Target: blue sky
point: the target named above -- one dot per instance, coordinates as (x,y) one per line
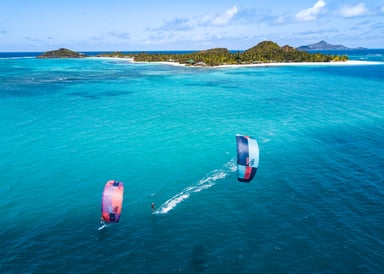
(92,25)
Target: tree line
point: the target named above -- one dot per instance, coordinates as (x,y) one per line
(264,52)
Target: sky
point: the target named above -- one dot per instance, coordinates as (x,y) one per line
(130,25)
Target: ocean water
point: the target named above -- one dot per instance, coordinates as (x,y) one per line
(68,126)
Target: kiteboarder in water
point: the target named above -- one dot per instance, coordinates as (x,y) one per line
(102,222)
(153,207)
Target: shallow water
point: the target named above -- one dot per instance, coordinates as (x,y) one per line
(68,126)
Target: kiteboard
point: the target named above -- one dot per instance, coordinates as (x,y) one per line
(102,227)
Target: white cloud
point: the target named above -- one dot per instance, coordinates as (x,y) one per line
(220,20)
(177,24)
(352,11)
(310,14)
(281,20)
(33,39)
(120,35)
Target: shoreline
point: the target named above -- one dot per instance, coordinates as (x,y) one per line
(280,64)
(277,64)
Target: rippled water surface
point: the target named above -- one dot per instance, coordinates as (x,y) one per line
(68,126)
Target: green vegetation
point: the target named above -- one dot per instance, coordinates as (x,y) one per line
(61,53)
(264,52)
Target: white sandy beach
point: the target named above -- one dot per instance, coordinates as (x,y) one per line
(348,62)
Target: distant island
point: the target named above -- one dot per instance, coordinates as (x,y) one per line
(264,52)
(62,53)
(322,45)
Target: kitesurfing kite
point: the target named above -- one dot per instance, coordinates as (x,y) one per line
(247,158)
(111,203)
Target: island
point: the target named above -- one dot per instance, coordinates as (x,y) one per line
(62,53)
(323,45)
(264,52)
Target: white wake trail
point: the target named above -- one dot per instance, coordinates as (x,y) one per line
(208,181)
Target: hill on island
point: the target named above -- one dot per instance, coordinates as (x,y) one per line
(61,53)
(264,52)
(268,50)
(323,45)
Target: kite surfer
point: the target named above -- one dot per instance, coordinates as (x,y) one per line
(102,222)
(153,207)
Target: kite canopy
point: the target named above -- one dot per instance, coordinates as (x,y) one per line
(247,157)
(112,201)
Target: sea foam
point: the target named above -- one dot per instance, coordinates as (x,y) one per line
(206,182)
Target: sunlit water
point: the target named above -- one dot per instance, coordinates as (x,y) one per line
(69,125)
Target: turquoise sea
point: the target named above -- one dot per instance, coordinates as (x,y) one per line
(68,126)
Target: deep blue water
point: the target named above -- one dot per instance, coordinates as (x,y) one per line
(69,125)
